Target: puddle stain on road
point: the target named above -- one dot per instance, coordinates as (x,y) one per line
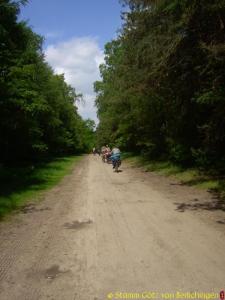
(54,271)
(221,222)
(50,273)
(30,208)
(78,224)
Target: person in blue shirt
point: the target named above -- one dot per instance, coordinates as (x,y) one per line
(115,156)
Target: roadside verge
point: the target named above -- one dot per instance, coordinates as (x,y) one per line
(190,177)
(20,184)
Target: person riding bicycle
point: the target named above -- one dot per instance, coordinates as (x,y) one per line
(106,152)
(115,156)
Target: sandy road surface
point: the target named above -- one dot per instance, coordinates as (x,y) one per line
(99,232)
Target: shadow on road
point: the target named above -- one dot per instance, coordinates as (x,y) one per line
(216,203)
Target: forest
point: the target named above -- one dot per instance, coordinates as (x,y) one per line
(162,87)
(38,112)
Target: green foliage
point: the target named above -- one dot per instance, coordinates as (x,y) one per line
(162,90)
(38,113)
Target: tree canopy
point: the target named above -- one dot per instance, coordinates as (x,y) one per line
(162,91)
(38,113)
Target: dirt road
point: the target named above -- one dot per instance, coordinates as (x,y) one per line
(99,233)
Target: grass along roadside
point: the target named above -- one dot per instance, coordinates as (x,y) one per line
(192,176)
(20,184)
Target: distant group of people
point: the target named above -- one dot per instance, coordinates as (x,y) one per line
(109,156)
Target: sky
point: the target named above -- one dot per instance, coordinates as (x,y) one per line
(75,33)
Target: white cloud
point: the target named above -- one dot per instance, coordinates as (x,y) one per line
(79,60)
(88,110)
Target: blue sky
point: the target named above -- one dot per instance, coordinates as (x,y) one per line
(75,33)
